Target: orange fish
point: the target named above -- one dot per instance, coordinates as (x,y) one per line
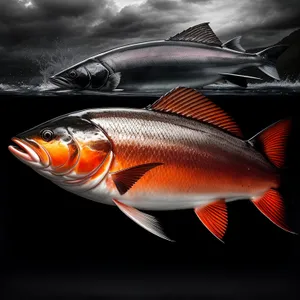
(182,152)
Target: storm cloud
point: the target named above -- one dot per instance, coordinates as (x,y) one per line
(29,28)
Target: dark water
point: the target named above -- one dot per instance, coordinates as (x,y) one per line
(54,243)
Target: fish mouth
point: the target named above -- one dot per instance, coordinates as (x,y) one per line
(60,81)
(23,151)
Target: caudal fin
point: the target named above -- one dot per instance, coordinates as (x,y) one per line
(272,206)
(272,142)
(271,55)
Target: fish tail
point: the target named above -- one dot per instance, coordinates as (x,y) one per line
(270,56)
(272,142)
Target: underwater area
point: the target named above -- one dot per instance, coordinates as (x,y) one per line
(54,242)
(59,57)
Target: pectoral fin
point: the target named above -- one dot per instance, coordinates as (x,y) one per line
(214,217)
(146,221)
(125,179)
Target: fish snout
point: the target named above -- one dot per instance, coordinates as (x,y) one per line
(24,151)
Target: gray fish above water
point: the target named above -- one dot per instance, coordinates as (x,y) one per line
(193,58)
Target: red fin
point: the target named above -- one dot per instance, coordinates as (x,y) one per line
(214,217)
(125,179)
(273,141)
(146,221)
(190,103)
(271,205)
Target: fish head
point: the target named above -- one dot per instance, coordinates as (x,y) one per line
(70,150)
(90,74)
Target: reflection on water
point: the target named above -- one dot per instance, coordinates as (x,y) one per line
(282,87)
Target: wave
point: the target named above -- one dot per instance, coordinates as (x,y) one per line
(26,87)
(262,85)
(48,88)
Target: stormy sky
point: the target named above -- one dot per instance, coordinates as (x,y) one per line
(34,32)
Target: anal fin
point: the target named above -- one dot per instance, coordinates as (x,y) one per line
(214,217)
(146,221)
(270,70)
(272,206)
(240,80)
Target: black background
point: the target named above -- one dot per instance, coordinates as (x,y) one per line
(54,243)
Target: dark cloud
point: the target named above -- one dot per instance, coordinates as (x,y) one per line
(28,28)
(58,8)
(42,10)
(149,20)
(21,25)
(164,5)
(196,1)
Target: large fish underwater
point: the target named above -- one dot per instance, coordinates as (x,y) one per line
(193,58)
(182,152)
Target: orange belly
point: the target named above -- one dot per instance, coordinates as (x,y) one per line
(183,172)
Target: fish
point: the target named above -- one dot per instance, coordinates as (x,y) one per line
(181,152)
(193,58)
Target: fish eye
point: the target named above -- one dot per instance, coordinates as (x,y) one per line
(73,74)
(47,135)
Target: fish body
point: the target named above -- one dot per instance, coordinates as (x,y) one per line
(182,152)
(199,163)
(167,64)
(192,60)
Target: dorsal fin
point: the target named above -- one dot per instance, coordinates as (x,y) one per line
(201,33)
(234,44)
(190,103)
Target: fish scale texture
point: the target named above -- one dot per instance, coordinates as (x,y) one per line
(195,158)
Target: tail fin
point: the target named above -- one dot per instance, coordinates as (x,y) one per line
(270,55)
(272,142)
(272,206)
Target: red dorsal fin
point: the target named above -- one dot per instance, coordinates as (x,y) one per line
(214,217)
(273,141)
(271,205)
(190,103)
(125,179)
